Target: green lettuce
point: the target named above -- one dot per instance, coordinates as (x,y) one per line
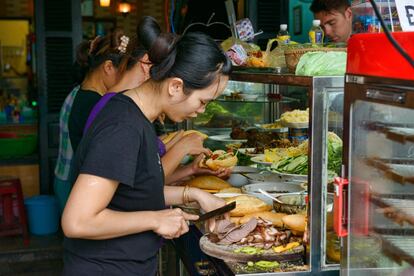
(331,63)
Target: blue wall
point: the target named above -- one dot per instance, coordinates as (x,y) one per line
(307,17)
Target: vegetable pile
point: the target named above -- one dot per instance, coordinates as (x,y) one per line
(298,163)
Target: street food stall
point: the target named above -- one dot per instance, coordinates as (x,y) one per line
(313,122)
(354,225)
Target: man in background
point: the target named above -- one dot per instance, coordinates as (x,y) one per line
(335,17)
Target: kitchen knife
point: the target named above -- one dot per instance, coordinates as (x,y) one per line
(218,211)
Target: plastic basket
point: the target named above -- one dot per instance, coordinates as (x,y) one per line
(16,145)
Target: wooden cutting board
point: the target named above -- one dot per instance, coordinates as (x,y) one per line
(226,252)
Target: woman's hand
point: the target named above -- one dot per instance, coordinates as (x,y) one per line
(192,144)
(196,170)
(172,223)
(207,202)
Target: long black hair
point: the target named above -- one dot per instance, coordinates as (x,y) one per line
(194,57)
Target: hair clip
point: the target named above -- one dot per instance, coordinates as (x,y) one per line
(93,44)
(124,43)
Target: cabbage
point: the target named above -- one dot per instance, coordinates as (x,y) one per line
(331,63)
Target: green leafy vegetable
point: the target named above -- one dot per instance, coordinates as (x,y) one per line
(334,153)
(322,64)
(211,109)
(292,165)
(299,164)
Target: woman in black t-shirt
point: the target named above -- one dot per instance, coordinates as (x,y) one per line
(116,214)
(100,64)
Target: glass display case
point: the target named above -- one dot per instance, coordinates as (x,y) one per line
(254,99)
(378,203)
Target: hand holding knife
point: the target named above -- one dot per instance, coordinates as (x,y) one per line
(217,212)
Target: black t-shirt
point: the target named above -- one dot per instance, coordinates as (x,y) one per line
(121,144)
(83,103)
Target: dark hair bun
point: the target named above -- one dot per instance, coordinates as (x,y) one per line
(148,31)
(194,57)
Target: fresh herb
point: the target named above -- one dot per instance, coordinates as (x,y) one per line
(267,264)
(250,250)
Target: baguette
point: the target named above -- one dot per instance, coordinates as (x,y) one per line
(296,222)
(219,159)
(231,190)
(246,204)
(208,182)
(171,135)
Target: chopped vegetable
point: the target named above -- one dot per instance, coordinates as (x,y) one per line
(293,165)
(267,264)
(282,248)
(249,250)
(296,159)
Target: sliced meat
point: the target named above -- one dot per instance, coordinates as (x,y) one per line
(240,232)
(223,226)
(213,237)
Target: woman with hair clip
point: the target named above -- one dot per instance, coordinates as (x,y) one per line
(100,63)
(116,213)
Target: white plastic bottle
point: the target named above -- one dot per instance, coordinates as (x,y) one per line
(316,33)
(283,36)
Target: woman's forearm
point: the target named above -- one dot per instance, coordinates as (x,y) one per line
(86,214)
(175,195)
(171,160)
(108,224)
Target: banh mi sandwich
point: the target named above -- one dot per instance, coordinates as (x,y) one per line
(171,135)
(219,159)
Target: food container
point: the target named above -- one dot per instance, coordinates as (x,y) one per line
(237,180)
(16,145)
(276,130)
(298,135)
(291,203)
(272,177)
(273,188)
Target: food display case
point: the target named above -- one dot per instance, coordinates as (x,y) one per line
(257,98)
(381,174)
(374,204)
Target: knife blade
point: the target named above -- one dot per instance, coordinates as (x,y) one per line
(218,211)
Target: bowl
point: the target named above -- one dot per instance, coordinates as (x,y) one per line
(245,169)
(237,180)
(273,188)
(290,203)
(249,97)
(17,145)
